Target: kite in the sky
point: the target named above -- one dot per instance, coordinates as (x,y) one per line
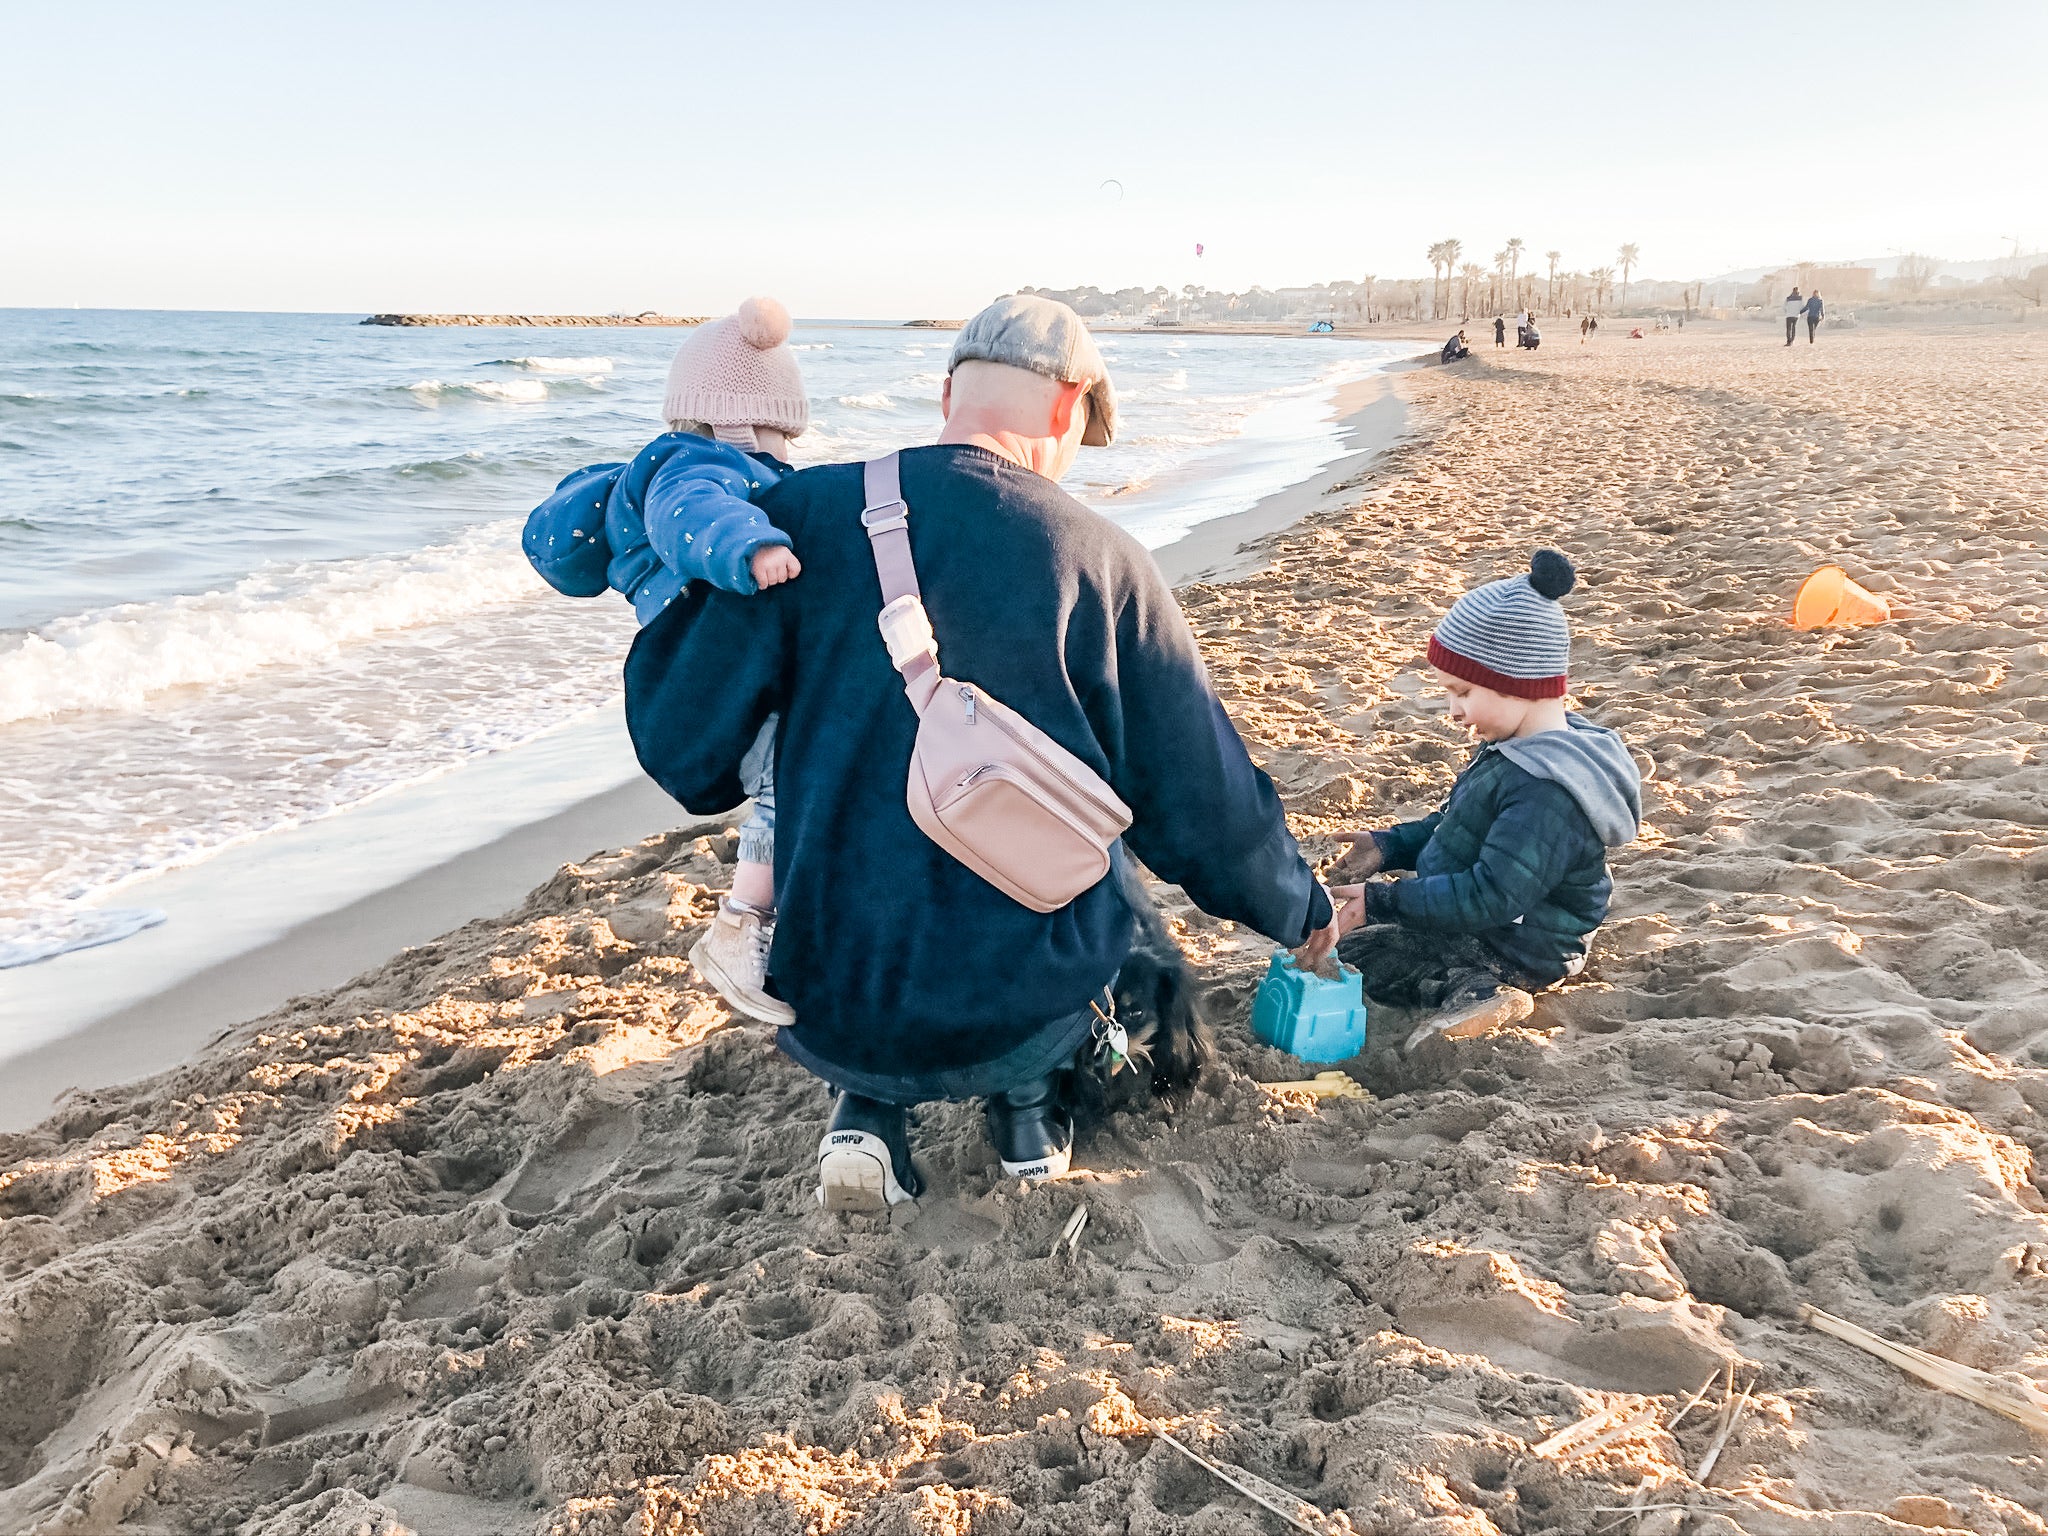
(1198,247)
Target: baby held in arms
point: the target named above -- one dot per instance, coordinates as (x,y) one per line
(684,510)
(1510,874)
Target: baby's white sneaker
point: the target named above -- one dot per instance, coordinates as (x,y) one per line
(733,957)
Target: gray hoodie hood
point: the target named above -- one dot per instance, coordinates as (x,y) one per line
(1591,764)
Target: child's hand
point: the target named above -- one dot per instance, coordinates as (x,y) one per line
(774,564)
(1360,860)
(1347,911)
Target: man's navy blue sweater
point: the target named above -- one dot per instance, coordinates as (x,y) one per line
(899,960)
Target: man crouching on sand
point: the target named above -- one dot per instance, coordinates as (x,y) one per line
(912,977)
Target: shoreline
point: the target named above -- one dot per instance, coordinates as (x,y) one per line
(163,1028)
(158,1028)
(1371,416)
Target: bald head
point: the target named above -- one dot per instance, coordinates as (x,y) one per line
(1020,414)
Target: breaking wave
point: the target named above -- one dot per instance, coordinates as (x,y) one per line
(118,658)
(519,391)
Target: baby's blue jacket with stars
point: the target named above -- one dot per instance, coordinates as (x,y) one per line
(682,511)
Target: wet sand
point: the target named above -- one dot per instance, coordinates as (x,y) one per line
(514,1232)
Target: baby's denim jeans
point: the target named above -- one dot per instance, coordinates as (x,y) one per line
(757,774)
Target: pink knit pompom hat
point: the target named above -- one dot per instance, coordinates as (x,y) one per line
(739,372)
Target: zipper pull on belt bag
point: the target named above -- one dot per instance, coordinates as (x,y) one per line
(986,785)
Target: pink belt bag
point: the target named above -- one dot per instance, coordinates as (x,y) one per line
(986,785)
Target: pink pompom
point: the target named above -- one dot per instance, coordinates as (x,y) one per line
(763,323)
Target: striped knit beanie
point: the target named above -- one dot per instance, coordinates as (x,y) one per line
(1511,635)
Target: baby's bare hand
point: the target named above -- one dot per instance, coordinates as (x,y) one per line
(1359,860)
(773,564)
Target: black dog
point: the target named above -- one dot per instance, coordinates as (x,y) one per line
(1158,1006)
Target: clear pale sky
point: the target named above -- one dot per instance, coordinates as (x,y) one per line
(916,159)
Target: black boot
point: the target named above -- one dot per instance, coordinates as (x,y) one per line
(1032,1133)
(864,1160)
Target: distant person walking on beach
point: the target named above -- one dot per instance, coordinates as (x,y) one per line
(1795,306)
(1500,331)
(683,511)
(1585,328)
(913,977)
(1813,314)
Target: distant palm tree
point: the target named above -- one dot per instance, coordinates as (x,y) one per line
(1603,284)
(1553,257)
(1471,272)
(1453,249)
(1367,281)
(1436,266)
(1627,256)
(1514,260)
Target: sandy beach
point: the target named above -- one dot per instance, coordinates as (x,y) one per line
(513,1232)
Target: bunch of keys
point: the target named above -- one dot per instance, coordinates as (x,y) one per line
(1111,1039)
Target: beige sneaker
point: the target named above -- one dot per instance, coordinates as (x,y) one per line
(733,957)
(1497,1010)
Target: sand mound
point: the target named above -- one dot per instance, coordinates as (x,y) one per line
(515,1233)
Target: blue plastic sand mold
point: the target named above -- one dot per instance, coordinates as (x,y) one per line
(1310,1016)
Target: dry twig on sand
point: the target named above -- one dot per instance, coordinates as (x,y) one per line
(1070,1234)
(2015,1400)
(1595,1432)
(1691,1403)
(1732,1409)
(1257,1489)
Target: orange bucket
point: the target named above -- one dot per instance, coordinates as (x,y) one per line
(1828,599)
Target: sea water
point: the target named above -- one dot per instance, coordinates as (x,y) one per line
(260,570)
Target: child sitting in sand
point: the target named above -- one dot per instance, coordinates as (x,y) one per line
(683,511)
(1511,874)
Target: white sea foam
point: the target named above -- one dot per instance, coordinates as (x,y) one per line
(555,364)
(870,402)
(518,391)
(117,658)
(810,346)
(25,940)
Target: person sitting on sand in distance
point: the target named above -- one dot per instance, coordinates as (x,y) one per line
(1511,872)
(1455,349)
(913,978)
(683,511)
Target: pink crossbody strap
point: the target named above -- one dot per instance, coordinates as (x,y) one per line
(886,517)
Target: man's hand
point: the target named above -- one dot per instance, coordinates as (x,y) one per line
(774,564)
(1347,911)
(1360,859)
